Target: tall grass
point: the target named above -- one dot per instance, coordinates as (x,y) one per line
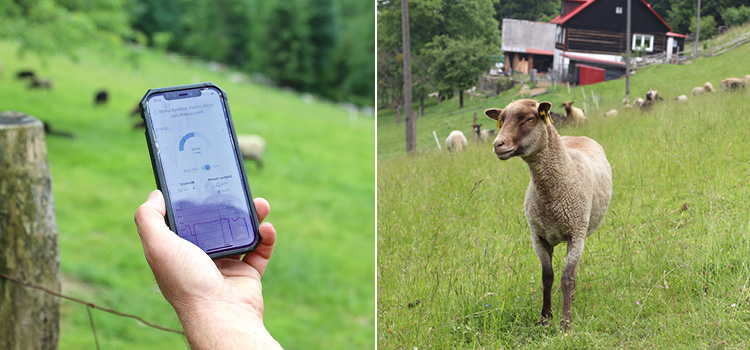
(668,268)
(318,176)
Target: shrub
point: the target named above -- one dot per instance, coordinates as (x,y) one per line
(708,27)
(735,16)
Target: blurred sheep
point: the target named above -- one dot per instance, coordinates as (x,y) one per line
(456,141)
(252,147)
(707,87)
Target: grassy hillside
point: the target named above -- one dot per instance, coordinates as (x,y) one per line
(668,268)
(318,177)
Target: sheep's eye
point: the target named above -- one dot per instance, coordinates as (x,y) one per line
(529,120)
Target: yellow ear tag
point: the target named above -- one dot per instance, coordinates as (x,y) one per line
(547,117)
(499,123)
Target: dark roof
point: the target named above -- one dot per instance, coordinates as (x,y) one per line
(562,19)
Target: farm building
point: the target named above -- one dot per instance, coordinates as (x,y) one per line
(528,45)
(592,33)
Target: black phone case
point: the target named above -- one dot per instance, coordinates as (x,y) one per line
(159,173)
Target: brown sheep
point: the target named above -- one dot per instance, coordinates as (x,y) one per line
(575,114)
(569,192)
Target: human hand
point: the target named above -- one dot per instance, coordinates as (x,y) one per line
(223,296)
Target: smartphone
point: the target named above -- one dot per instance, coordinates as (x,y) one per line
(198,167)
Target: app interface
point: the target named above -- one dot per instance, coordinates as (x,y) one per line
(202,175)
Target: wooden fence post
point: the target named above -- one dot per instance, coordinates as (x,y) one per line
(29,318)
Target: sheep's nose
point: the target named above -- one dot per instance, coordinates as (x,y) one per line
(498,143)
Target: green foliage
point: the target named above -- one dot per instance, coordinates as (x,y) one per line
(52,27)
(465,28)
(736,16)
(283,51)
(533,10)
(456,64)
(162,40)
(708,27)
(682,13)
(319,286)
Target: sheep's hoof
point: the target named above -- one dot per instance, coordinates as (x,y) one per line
(545,319)
(565,324)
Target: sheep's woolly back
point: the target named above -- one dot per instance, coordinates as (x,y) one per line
(455,141)
(570,188)
(252,147)
(732,83)
(576,115)
(707,87)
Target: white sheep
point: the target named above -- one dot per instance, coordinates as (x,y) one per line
(456,141)
(611,113)
(681,98)
(252,147)
(732,84)
(569,192)
(707,87)
(575,115)
(638,102)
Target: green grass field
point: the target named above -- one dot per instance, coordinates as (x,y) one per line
(318,177)
(668,268)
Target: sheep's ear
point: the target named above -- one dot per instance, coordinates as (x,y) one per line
(493,113)
(544,107)
(543,110)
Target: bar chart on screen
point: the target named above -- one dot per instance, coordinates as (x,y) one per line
(214,225)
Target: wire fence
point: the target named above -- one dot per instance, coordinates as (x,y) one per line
(89,306)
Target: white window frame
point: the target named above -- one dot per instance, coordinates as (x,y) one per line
(559,35)
(618,10)
(643,42)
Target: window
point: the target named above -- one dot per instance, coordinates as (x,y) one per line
(618,10)
(559,35)
(643,42)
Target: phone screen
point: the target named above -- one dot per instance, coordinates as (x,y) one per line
(201,170)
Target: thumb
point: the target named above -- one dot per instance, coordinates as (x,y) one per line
(149,219)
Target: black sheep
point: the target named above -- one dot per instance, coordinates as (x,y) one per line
(26,74)
(101,97)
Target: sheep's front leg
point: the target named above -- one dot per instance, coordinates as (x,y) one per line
(544,253)
(568,282)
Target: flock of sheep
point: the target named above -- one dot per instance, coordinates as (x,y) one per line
(457,141)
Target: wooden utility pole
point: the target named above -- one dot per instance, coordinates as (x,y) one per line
(627,54)
(697,31)
(411,122)
(29,318)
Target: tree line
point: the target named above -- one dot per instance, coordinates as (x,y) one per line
(320,46)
